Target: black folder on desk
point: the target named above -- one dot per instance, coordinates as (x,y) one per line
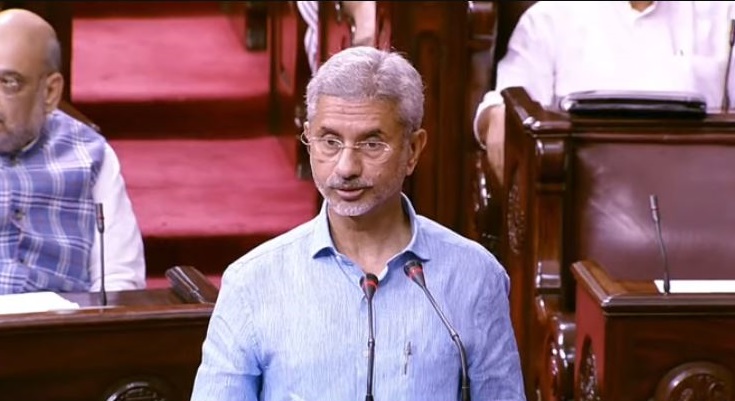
(632,104)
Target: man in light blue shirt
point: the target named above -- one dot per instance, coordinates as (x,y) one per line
(291,320)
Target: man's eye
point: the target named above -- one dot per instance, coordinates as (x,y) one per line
(332,143)
(6,81)
(372,145)
(10,83)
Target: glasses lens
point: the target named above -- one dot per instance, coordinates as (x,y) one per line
(329,149)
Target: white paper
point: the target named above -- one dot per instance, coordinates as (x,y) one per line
(698,286)
(34,302)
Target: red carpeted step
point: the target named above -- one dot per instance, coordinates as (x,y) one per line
(207,202)
(173,74)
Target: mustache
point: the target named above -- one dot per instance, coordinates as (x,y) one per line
(347,185)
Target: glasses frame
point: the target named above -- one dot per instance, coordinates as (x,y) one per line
(358,147)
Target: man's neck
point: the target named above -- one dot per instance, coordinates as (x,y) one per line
(640,5)
(372,239)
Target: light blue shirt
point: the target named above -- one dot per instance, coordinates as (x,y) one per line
(290,323)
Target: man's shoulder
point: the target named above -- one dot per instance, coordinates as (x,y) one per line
(466,260)
(65,124)
(451,241)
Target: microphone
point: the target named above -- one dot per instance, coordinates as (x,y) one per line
(653,200)
(100,217)
(725,106)
(415,272)
(369,285)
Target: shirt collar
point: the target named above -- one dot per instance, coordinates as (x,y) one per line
(322,244)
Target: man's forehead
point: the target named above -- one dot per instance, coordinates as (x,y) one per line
(20,55)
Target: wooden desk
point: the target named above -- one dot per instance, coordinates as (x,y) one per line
(635,343)
(145,344)
(578,189)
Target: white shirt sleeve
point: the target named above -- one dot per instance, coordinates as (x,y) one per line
(528,62)
(123,243)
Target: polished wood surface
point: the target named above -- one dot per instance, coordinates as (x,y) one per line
(144,343)
(636,343)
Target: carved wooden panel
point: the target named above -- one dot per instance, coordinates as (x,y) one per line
(140,389)
(696,381)
(515,216)
(556,373)
(587,388)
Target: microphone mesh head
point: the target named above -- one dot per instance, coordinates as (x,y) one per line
(410,265)
(369,284)
(415,271)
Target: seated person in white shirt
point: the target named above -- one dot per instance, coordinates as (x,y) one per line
(54,170)
(562,47)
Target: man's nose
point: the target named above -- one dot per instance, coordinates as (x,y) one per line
(349,163)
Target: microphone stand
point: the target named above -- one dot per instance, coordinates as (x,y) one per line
(415,272)
(371,354)
(457,342)
(101,230)
(369,284)
(725,106)
(653,200)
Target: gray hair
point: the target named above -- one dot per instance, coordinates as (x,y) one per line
(364,72)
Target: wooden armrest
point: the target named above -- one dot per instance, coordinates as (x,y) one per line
(486,192)
(191,285)
(69,109)
(556,334)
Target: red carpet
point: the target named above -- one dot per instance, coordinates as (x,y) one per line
(182,73)
(204,203)
(185,107)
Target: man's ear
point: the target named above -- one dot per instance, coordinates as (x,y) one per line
(416,145)
(54,88)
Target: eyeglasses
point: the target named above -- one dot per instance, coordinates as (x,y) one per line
(329,148)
